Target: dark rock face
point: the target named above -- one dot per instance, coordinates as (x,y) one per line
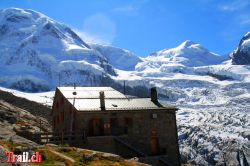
(241,56)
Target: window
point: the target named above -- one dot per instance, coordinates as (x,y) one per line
(70,109)
(62,116)
(54,121)
(127,123)
(57,105)
(154,116)
(62,100)
(58,120)
(74,126)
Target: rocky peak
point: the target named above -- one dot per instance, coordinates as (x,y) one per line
(241,55)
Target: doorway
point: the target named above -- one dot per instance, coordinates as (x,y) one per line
(96,127)
(114,125)
(154,142)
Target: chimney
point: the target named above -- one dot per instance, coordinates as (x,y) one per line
(153,95)
(102,100)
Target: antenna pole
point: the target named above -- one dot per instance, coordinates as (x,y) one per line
(59,80)
(124,87)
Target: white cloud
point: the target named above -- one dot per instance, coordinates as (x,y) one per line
(245,20)
(235,5)
(98,28)
(126,9)
(130,9)
(91,38)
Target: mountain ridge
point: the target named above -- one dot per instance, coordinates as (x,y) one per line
(46,51)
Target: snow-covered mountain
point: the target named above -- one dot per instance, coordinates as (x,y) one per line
(188,54)
(35,51)
(180,59)
(241,55)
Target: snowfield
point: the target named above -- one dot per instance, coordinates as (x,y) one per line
(45,98)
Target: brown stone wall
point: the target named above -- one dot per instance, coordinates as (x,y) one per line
(152,134)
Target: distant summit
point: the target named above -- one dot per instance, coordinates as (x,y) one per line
(187,43)
(241,55)
(188,54)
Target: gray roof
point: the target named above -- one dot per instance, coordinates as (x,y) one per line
(87,99)
(90,92)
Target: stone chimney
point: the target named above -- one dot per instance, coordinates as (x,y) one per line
(153,94)
(102,100)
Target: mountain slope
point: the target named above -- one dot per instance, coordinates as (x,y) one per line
(119,58)
(241,55)
(35,50)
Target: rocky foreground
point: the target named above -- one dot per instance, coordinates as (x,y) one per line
(64,155)
(19,116)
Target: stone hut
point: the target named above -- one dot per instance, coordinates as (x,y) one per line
(112,122)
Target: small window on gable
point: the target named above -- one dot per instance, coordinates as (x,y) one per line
(62,100)
(57,105)
(70,109)
(54,121)
(62,117)
(74,126)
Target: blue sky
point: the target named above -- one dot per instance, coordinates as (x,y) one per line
(146,26)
